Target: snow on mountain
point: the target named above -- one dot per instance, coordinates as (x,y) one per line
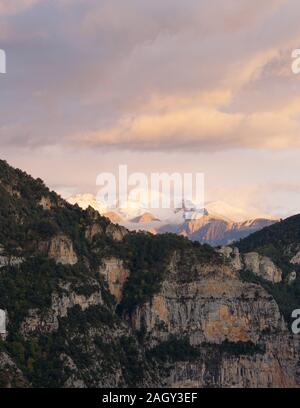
(146,217)
(115,217)
(232,213)
(88,200)
(218,224)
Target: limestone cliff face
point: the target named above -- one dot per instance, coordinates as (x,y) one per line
(116,232)
(260,265)
(259,371)
(115,275)
(210,310)
(93,230)
(9,260)
(180,315)
(296,259)
(213,308)
(98,348)
(60,248)
(48,322)
(46,203)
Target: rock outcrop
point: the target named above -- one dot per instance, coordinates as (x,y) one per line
(115,275)
(261,266)
(296,259)
(60,248)
(116,232)
(9,260)
(122,309)
(92,230)
(214,309)
(46,203)
(61,302)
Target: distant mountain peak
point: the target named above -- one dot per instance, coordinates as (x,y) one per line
(218,223)
(114,217)
(146,217)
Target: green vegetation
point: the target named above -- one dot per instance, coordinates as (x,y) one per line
(38,358)
(278,242)
(147,257)
(174,349)
(97,337)
(31,284)
(179,349)
(287,296)
(24,222)
(131,362)
(239,348)
(275,242)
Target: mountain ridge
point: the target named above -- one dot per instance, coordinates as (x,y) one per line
(209,226)
(91,304)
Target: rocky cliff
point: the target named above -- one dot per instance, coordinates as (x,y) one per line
(220,224)
(89,304)
(216,230)
(235,326)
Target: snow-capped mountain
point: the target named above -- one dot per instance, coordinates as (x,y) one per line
(217,231)
(217,224)
(144,218)
(88,200)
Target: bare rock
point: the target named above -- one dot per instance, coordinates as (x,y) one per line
(61,303)
(262,266)
(213,308)
(60,248)
(93,230)
(116,275)
(10,260)
(116,232)
(46,203)
(296,259)
(233,255)
(291,277)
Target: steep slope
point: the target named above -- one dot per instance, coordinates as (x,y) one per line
(216,230)
(89,304)
(114,217)
(280,243)
(216,227)
(58,306)
(224,332)
(146,217)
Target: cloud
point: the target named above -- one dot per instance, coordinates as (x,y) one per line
(204,121)
(142,75)
(200,128)
(10,7)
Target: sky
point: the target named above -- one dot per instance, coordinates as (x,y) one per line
(194,86)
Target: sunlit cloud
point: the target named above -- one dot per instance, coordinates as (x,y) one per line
(205,120)
(143,79)
(10,7)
